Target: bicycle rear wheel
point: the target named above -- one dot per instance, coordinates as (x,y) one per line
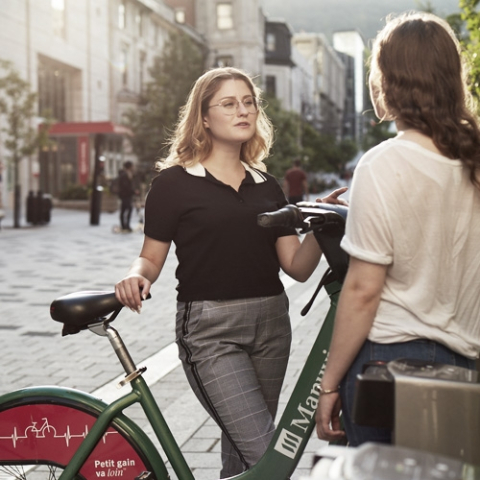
(40,434)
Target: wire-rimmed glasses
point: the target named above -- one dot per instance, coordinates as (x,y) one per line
(230,105)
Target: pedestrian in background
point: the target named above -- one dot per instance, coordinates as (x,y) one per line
(126,192)
(232,324)
(413,228)
(295,183)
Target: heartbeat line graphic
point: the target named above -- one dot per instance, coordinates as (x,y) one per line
(47,431)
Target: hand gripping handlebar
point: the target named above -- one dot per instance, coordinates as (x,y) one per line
(306,215)
(326,221)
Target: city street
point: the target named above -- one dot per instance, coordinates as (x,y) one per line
(38,264)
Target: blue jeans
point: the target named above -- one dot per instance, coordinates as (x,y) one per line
(417,349)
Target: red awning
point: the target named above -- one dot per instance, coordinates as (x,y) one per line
(85,128)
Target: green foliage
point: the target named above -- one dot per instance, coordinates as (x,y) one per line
(295,138)
(324,152)
(376,133)
(75,192)
(471,42)
(17,103)
(286,140)
(173,75)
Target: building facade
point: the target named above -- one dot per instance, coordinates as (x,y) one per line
(352,44)
(87,61)
(288,75)
(328,81)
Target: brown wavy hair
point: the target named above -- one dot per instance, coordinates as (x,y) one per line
(191,142)
(418,73)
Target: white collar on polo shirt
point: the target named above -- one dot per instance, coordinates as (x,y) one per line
(198,170)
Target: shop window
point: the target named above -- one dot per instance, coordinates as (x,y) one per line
(52,90)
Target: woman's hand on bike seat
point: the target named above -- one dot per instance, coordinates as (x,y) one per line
(131,290)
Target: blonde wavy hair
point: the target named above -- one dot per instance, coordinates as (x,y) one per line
(191,142)
(419,78)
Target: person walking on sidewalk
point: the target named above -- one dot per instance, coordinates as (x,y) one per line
(413,228)
(232,325)
(295,183)
(126,192)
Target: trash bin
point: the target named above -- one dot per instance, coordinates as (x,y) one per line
(39,208)
(32,208)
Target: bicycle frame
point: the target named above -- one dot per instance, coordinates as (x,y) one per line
(279,461)
(281,458)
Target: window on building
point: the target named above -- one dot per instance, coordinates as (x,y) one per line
(140,22)
(180,15)
(141,73)
(52,90)
(58,17)
(271,85)
(122,15)
(224,61)
(124,65)
(271,42)
(224,16)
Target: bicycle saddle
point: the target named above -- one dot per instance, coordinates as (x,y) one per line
(78,310)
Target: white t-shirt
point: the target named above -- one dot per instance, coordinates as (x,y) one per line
(418,212)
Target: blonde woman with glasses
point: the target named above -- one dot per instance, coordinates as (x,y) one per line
(232,325)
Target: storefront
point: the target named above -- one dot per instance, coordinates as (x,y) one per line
(69,158)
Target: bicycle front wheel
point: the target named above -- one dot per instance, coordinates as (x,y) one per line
(40,433)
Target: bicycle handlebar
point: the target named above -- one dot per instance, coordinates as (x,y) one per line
(326,221)
(305,215)
(288,216)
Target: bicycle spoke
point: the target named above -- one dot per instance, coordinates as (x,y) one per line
(30,472)
(12,472)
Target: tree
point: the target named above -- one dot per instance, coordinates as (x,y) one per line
(173,74)
(376,133)
(17,104)
(471,42)
(286,146)
(295,138)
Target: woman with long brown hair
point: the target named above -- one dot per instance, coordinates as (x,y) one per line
(413,228)
(232,324)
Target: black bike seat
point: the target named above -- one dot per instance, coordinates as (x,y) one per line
(83,308)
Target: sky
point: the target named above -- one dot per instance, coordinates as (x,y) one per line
(327,16)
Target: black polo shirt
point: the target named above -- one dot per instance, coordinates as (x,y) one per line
(222,252)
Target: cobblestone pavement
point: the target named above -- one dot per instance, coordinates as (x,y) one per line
(38,264)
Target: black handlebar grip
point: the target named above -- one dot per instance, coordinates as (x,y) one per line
(288,216)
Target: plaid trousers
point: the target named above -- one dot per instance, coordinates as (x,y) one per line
(235,354)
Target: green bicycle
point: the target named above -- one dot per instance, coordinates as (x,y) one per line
(55,432)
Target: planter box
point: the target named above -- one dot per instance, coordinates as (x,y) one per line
(110,204)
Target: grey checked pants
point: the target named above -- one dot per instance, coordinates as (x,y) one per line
(235,354)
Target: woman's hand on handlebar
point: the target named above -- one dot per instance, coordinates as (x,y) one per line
(333,197)
(327,417)
(131,290)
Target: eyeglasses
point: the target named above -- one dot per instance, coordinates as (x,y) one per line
(230,106)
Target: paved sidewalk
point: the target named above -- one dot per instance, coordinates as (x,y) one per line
(38,264)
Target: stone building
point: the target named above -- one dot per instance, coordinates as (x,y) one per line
(87,60)
(328,81)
